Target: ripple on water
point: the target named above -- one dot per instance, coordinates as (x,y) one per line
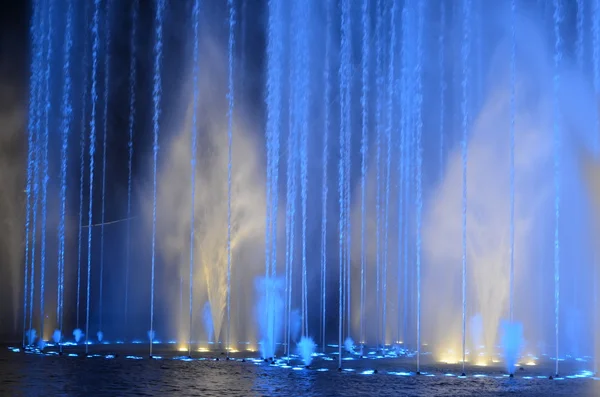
(28,374)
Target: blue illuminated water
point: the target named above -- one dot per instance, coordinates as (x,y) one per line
(442,70)
(32,132)
(325,175)
(119,375)
(273,99)
(274,318)
(580,39)
(364,148)
(82,146)
(38,44)
(300,59)
(404,172)
(513,53)
(512,344)
(230,97)
(208,324)
(270,310)
(92,150)
(596,83)
(379,72)
(465,53)
(106,90)
(419,163)
(391,94)
(291,198)
(45,141)
(156,100)
(131,129)
(67,111)
(557,18)
(390,78)
(306,348)
(344,75)
(194,133)
(596,44)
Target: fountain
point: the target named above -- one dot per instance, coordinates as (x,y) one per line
(447,239)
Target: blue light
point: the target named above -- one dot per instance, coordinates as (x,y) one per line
(183,358)
(400,373)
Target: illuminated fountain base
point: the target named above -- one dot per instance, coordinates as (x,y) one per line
(394,361)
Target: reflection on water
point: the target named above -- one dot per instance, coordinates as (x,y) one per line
(35,375)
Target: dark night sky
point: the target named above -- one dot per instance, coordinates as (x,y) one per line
(13,99)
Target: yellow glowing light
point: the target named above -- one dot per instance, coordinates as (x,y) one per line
(203,350)
(530,363)
(481,364)
(450,359)
(233,351)
(251,350)
(182,349)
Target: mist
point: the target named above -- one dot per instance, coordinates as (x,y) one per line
(12,176)
(13,123)
(174,200)
(488,209)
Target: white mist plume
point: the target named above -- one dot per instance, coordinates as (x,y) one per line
(349,345)
(269,313)
(78,334)
(211,198)
(306,348)
(208,322)
(31,336)
(57,336)
(488,198)
(512,343)
(295,325)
